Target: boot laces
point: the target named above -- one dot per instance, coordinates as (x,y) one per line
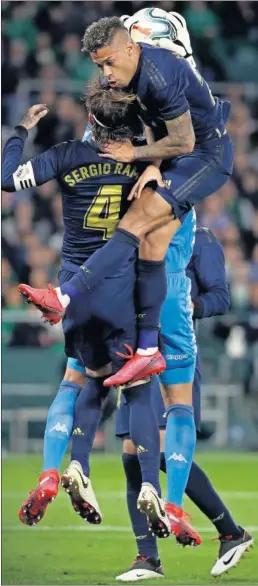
(140,558)
(187,516)
(220,536)
(50,288)
(126,356)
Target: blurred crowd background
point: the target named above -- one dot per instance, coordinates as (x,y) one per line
(42,62)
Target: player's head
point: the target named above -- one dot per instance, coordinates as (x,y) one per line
(112,49)
(112,114)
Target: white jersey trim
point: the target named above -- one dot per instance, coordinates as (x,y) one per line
(24,177)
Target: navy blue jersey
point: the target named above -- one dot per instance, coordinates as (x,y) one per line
(167,86)
(94,190)
(206,269)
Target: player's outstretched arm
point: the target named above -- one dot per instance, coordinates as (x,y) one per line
(39,170)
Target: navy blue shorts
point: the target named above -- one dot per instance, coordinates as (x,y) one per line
(194,176)
(98,326)
(123,409)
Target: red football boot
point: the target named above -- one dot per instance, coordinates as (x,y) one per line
(46,300)
(138,366)
(51,318)
(184,532)
(34,508)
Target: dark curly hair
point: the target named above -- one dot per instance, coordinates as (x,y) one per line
(101,33)
(114,113)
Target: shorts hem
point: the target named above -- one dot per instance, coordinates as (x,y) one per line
(180,210)
(177,376)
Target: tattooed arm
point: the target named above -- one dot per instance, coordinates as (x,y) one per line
(150,140)
(179,141)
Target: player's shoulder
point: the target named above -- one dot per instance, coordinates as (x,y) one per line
(72,152)
(205,237)
(71,146)
(160,66)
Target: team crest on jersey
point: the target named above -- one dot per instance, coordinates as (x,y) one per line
(167,183)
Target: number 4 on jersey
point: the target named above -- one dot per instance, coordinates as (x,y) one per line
(104,212)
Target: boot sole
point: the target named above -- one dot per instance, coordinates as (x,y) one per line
(83,508)
(156,524)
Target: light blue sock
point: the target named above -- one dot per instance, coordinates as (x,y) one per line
(180,440)
(59,425)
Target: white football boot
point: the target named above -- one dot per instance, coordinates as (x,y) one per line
(81,493)
(231,551)
(153,507)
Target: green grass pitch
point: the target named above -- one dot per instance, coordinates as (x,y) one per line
(63,549)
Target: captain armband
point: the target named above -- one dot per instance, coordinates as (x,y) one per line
(24,177)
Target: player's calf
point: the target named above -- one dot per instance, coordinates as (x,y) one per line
(81,493)
(34,508)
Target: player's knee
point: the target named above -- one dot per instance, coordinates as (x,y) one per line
(146,214)
(162,439)
(155,244)
(178,393)
(135,221)
(129,447)
(75,376)
(100,372)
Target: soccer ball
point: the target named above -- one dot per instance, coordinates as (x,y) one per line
(150,25)
(162,29)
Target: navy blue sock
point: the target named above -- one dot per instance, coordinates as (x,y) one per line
(151,290)
(86,420)
(180,440)
(59,425)
(144,432)
(204,496)
(163,467)
(145,541)
(103,263)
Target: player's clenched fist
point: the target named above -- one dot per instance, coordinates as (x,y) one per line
(33,115)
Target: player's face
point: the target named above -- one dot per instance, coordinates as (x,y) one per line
(118,61)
